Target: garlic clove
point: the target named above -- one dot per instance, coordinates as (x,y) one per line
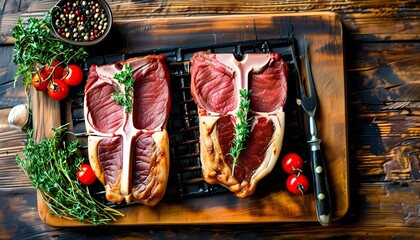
(19,117)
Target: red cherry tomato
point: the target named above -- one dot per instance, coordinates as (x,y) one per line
(58,89)
(292,163)
(73,75)
(56,68)
(85,174)
(297,184)
(40,81)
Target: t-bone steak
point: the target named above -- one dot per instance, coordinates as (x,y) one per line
(129,152)
(215,83)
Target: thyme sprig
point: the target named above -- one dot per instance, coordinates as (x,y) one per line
(242,126)
(125,98)
(36,46)
(51,166)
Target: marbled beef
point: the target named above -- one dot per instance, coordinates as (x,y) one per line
(129,152)
(215,83)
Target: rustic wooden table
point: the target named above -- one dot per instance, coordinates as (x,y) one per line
(382,55)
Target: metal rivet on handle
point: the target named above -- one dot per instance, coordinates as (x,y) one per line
(318,169)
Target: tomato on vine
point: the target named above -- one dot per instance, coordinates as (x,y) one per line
(58,89)
(56,69)
(297,184)
(72,75)
(292,163)
(85,174)
(40,81)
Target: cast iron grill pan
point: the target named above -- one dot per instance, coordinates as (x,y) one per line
(185,179)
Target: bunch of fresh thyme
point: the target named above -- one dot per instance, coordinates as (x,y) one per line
(241,127)
(51,167)
(125,98)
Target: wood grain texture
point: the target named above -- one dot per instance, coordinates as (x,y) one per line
(12,94)
(369,20)
(384,103)
(375,214)
(46,115)
(11,144)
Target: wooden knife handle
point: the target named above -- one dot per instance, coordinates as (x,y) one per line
(321,188)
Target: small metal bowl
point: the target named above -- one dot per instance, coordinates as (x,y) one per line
(59,6)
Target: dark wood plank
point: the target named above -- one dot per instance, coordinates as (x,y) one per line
(11,144)
(384,103)
(12,94)
(375,214)
(368,20)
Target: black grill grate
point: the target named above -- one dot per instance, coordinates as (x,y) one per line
(186,180)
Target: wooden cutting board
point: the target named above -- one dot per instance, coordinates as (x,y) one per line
(324,33)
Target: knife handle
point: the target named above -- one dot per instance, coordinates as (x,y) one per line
(321,187)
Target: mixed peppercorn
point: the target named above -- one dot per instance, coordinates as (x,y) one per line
(80,20)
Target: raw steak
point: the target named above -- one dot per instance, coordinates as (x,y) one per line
(215,83)
(129,152)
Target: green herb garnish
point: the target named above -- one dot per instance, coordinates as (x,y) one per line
(241,126)
(36,46)
(51,166)
(125,98)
